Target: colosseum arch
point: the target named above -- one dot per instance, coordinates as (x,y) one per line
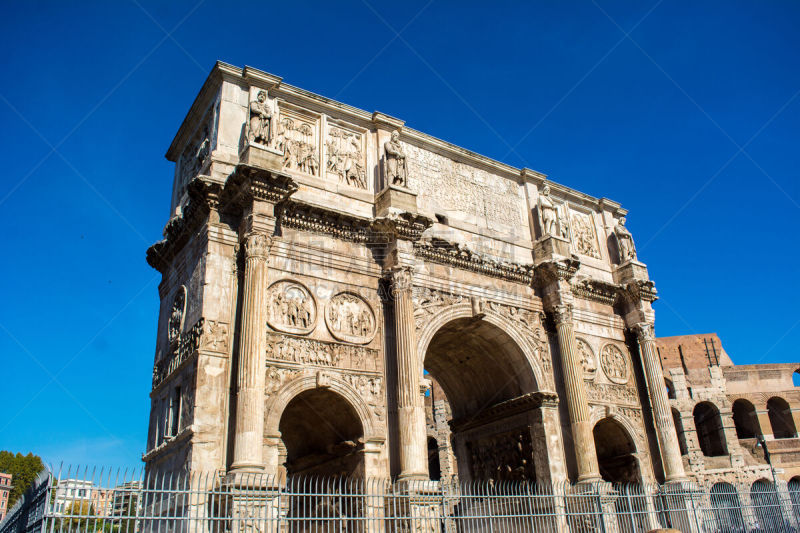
(710,433)
(490,372)
(780,418)
(326,428)
(745,419)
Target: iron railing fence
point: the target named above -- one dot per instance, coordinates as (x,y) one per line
(100,500)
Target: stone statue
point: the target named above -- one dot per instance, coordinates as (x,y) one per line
(260,120)
(396,170)
(548,217)
(627,250)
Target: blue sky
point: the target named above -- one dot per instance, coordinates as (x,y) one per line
(687,113)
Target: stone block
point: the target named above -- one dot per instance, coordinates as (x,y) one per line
(260,156)
(549,247)
(395,198)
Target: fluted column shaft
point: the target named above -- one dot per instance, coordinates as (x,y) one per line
(665,426)
(411,411)
(577,406)
(251,375)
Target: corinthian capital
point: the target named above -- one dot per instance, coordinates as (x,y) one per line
(644,331)
(401,280)
(562,314)
(257,245)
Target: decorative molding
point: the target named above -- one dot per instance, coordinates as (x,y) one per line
(596,290)
(640,290)
(505,409)
(443,252)
(553,271)
(320,220)
(249,183)
(404,226)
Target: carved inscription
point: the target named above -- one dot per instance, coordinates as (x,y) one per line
(584,237)
(291,307)
(345,157)
(304,351)
(614,364)
(503,457)
(455,186)
(350,318)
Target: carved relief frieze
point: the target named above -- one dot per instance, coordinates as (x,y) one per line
(611,393)
(277,377)
(529,320)
(187,344)
(587,358)
(428,303)
(215,336)
(195,156)
(345,156)
(503,457)
(291,307)
(614,364)
(304,351)
(317,220)
(350,318)
(297,138)
(371,389)
(584,236)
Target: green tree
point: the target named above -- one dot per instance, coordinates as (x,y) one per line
(23,468)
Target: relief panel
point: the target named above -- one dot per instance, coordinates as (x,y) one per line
(614,364)
(587,358)
(350,318)
(304,351)
(584,236)
(291,308)
(345,156)
(297,137)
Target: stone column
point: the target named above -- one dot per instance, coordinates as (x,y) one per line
(577,406)
(662,413)
(251,375)
(411,411)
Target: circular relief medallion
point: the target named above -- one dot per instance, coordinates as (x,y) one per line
(291,308)
(350,318)
(614,364)
(587,359)
(175,324)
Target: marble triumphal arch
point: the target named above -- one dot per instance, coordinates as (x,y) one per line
(343,295)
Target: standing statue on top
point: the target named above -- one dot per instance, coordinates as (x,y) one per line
(260,125)
(396,169)
(548,217)
(627,250)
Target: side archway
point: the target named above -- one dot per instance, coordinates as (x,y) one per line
(325,428)
(616,452)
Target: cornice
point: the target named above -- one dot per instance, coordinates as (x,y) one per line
(596,290)
(505,409)
(204,195)
(249,183)
(405,226)
(315,219)
(446,253)
(171,442)
(640,289)
(559,270)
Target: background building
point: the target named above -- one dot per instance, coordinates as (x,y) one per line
(5,489)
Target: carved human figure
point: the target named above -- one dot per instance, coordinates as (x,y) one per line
(396,169)
(547,213)
(627,250)
(260,128)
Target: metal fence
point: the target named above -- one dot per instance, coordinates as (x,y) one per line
(84,501)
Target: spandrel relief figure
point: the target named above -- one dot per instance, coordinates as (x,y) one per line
(260,125)
(548,216)
(627,250)
(396,168)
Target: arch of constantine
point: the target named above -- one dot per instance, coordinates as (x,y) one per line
(343,295)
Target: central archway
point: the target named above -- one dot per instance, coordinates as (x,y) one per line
(487,376)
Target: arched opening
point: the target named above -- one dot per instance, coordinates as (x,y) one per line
(765,501)
(434,466)
(745,419)
(708,423)
(796,378)
(678,422)
(615,452)
(794,494)
(726,507)
(670,389)
(322,435)
(780,418)
(479,368)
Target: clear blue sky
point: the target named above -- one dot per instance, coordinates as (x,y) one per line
(686,113)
